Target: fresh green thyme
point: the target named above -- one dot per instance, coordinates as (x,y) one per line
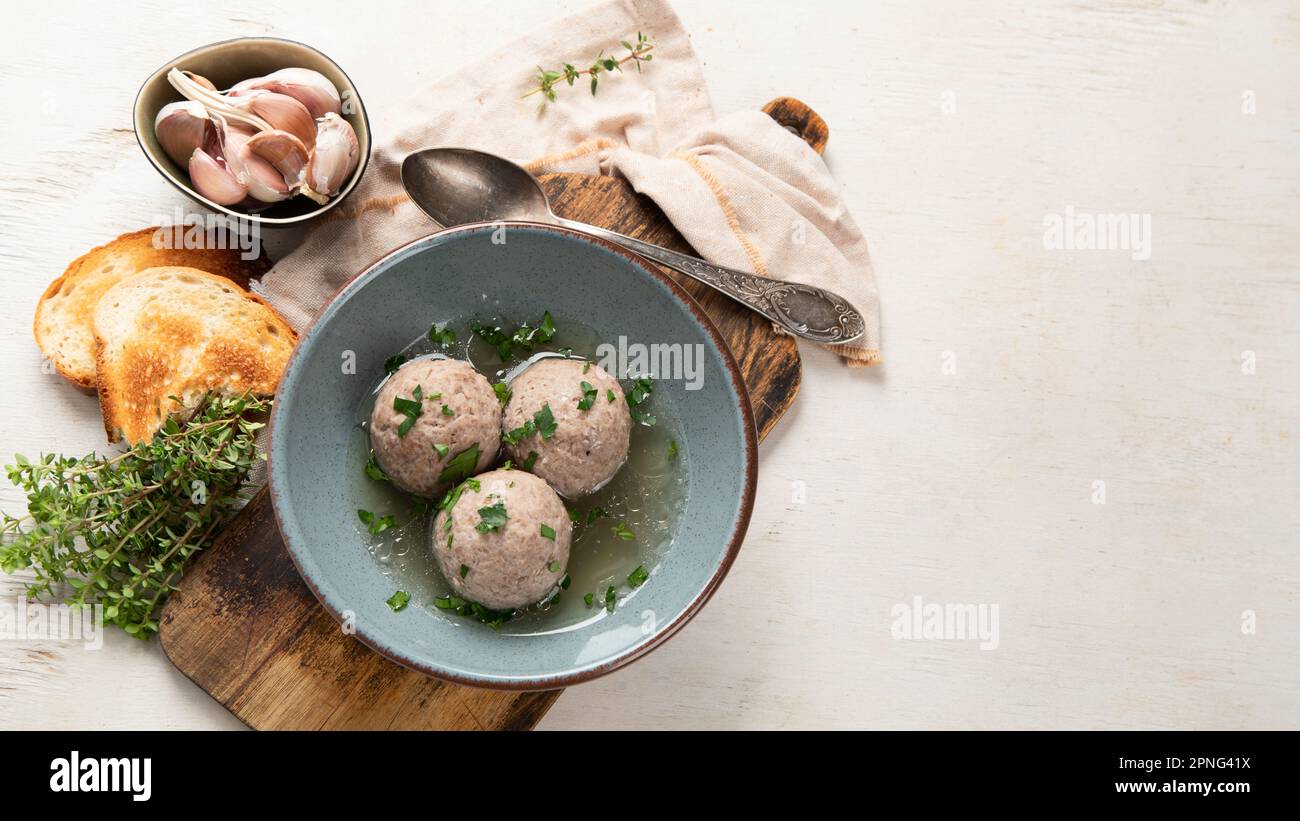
(548,79)
(117,531)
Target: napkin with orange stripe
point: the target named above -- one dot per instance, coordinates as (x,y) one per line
(744,191)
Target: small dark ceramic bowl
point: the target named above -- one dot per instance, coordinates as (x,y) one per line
(225,64)
(457,275)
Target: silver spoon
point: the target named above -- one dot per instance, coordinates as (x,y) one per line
(455,186)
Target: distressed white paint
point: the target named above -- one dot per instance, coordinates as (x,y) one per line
(963,470)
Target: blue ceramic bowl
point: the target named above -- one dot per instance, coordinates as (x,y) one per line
(462,273)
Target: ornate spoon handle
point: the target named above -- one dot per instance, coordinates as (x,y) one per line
(803,310)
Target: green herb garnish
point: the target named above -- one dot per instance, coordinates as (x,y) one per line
(375,524)
(596,513)
(638,576)
(398,601)
(545,421)
(588,396)
(373,470)
(502,391)
(672,449)
(609,599)
(524,337)
(547,531)
(492,618)
(442,450)
(553,566)
(446,411)
(464,570)
(444,337)
(642,389)
(621,531)
(392,363)
(410,408)
(548,79)
(530,461)
(491,518)
(119,530)
(609,395)
(461,466)
(565,582)
(589,598)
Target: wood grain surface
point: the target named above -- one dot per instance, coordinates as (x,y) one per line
(245,628)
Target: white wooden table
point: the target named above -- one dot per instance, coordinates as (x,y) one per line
(964,469)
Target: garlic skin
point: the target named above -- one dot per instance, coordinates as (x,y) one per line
(180,128)
(201,80)
(213,180)
(334,159)
(311,88)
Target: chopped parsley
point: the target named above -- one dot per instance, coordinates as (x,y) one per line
(621,531)
(609,598)
(589,598)
(547,531)
(596,513)
(502,391)
(642,389)
(464,570)
(586,366)
(553,566)
(524,337)
(375,524)
(373,470)
(545,421)
(410,408)
(672,449)
(609,395)
(461,466)
(588,396)
(392,363)
(492,618)
(446,411)
(574,516)
(491,518)
(444,337)
(398,601)
(638,576)
(565,582)
(442,450)
(530,461)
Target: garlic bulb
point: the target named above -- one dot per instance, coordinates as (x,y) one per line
(311,88)
(263,141)
(334,159)
(181,127)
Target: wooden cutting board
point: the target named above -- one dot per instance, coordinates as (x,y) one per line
(245,628)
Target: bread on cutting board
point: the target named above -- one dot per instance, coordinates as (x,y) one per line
(63,315)
(180,332)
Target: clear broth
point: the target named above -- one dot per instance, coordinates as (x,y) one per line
(646,496)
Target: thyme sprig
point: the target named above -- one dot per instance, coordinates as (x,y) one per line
(118,530)
(637,53)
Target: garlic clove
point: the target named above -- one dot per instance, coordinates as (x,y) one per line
(284,113)
(180,128)
(265,184)
(201,80)
(213,180)
(311,88)
(282,150)
(233,109)
(335,157)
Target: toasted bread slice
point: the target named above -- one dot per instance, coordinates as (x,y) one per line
(181,332)
(63,315)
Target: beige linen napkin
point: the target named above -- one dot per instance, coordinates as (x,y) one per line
(742,190)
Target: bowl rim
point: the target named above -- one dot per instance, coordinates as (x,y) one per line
(274,222)
(740,525)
